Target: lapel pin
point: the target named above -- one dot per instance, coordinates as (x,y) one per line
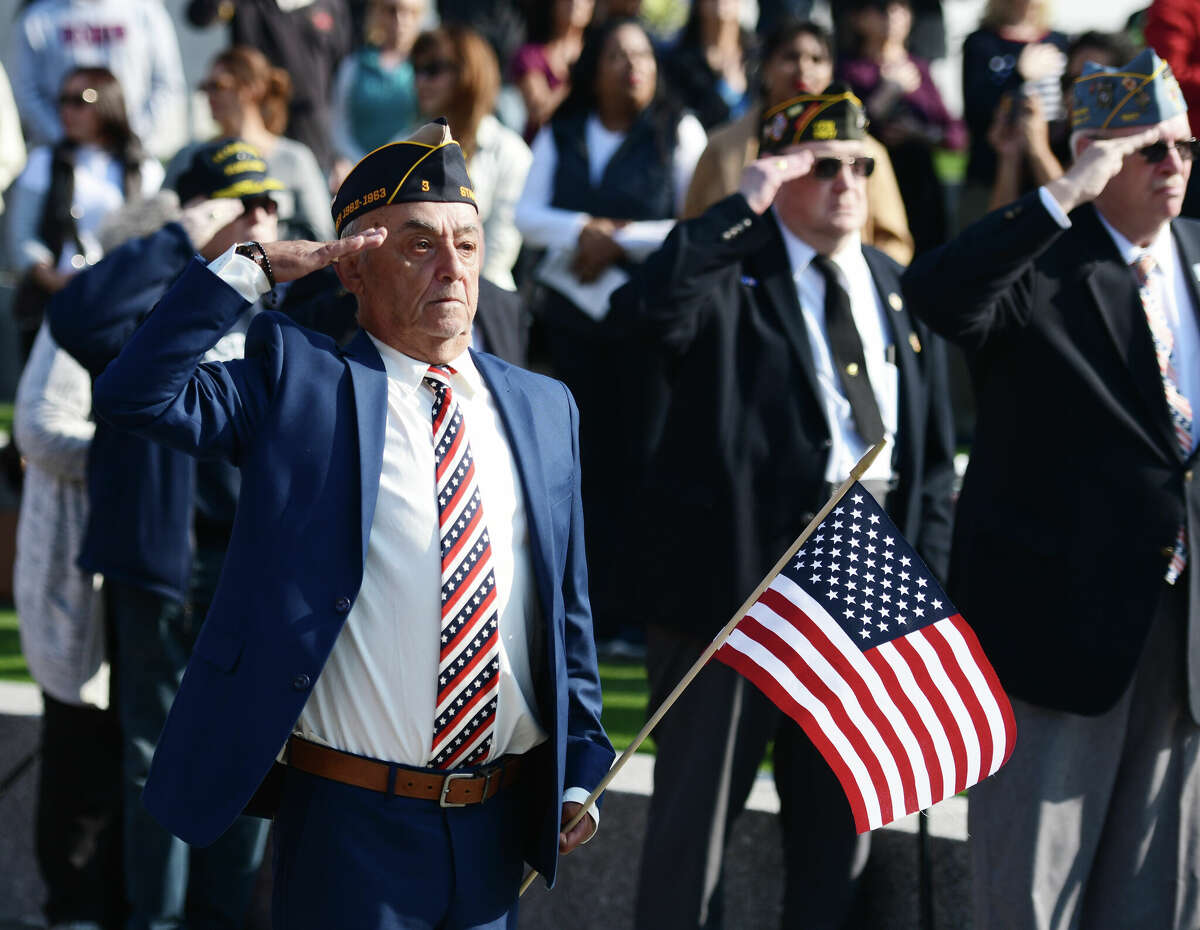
(852,369)
(914,342)
(749,281)
(896,301)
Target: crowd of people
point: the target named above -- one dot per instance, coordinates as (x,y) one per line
(735,242)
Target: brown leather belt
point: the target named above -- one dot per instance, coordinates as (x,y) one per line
(449,789)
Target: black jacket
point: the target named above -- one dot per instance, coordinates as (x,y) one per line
(738,466)
(1076,486)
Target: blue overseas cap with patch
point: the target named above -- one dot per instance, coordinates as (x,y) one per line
(832,115)
(427,166)
(1141,93)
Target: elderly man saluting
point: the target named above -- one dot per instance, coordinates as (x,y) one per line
(1075,539)
(402,617)
(790,353)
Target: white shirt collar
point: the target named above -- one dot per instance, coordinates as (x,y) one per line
(1160,249)
(409,372)
(801,254)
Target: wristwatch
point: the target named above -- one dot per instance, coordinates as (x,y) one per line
(257,254)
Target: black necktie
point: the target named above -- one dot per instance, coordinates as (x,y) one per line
(847,351)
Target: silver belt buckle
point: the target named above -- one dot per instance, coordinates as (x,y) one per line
(450,776)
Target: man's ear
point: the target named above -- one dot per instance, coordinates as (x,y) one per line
(350,273)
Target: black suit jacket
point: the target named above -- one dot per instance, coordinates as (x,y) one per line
(738,467)
(1076,485)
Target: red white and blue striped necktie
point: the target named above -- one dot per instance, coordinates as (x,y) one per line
(469,665)
(1179,406)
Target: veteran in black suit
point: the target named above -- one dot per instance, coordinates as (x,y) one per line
(1074,536)
(788,351)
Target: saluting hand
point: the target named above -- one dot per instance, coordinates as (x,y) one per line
(1098,162)
(762,179)
(294,259)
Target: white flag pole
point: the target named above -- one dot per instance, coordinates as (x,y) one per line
(856,473)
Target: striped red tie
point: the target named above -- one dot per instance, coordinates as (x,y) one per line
(469,666)
(1178,405)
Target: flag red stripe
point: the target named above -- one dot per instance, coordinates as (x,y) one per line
(891,681)
(808,677)
(747,667)
(958,749)
(993,682)
(812,631)
(966,692)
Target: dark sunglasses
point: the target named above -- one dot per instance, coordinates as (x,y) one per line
(829,167)
(1157,151)
(84,98)
(432,69)
(250,204)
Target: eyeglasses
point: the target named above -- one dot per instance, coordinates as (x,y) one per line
(83,98)
(433,69)
(1157,151)
(250,204)
(829,167)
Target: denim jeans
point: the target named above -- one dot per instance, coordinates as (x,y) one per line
(169,884)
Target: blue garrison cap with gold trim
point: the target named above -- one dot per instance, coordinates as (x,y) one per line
(828,116)
(1141,93)
(427,166)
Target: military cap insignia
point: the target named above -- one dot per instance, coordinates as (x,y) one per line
(427,166)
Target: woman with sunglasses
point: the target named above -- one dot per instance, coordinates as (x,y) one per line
(458,77)
(248,99)
(64,194)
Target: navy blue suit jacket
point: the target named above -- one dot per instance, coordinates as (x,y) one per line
(304,420)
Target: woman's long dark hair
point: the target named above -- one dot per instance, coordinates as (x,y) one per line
(57,225)
(662,111)
(116,135)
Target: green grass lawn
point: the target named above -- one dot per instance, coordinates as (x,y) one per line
(625,696)
(12,663)
(624,685)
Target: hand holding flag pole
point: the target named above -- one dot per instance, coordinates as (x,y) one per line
(859,469)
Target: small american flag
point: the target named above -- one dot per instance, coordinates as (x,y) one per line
(856,641)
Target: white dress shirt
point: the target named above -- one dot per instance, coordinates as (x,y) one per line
(376,695)
(870,318)
(1169,281)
